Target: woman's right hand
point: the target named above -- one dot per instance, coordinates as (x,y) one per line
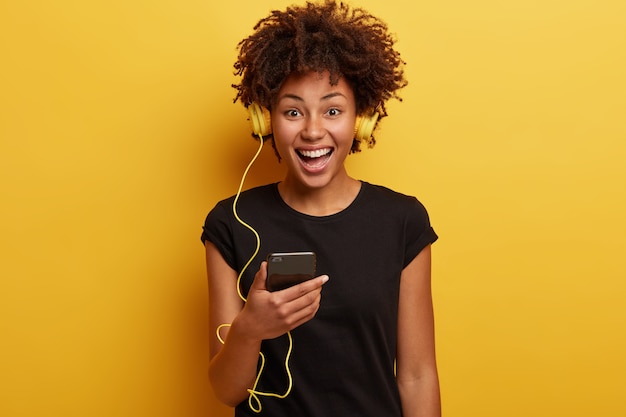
(267,315)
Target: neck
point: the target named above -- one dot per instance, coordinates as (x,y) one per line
(323,201)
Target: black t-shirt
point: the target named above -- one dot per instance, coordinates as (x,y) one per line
(343,360)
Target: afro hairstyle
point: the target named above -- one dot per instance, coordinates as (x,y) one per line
(347,42)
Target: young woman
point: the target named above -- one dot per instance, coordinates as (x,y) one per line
(357,340)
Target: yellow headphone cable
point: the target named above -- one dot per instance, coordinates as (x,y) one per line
(253,399)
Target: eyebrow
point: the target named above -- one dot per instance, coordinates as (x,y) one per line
(298,98)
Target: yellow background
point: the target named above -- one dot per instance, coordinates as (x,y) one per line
(118,134)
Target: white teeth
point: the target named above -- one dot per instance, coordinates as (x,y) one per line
(316,153)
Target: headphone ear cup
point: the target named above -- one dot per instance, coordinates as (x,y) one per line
(364,126)
(260,119)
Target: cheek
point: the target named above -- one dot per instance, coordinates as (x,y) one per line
(284,135)
(344,134)
(281,143)
(282,131)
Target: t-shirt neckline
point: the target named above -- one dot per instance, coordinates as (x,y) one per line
(333,216)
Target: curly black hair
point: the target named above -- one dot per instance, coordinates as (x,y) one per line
(346,42)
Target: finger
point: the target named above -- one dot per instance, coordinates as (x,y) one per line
(305,301)
(300,290)
(260,277)
(306,312)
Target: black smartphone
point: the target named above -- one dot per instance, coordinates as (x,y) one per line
(289,268)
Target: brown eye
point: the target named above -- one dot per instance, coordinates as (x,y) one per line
(333,112)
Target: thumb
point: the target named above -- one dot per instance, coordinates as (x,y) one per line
(260,278)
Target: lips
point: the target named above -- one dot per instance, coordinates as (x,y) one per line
(315,158)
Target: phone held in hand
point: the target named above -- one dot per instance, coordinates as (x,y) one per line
(285,269)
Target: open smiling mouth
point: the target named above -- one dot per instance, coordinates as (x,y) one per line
(316,158)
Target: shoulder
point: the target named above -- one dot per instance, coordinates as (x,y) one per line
(382,191)
(385,196)
(220,223)
(252,200)
(390,212)
(385,202)
(252,195)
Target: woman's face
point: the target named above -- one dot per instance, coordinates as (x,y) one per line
(313,126)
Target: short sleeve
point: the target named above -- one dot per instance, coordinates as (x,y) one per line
(217,229)
(418,231)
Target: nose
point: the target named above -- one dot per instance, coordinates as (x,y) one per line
(313,128)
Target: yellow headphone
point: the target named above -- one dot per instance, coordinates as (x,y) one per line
(262,123)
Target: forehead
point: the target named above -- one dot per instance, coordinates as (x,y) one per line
(314,86)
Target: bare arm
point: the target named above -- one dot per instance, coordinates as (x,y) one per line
(232,367)
(417,376)
(265,315)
